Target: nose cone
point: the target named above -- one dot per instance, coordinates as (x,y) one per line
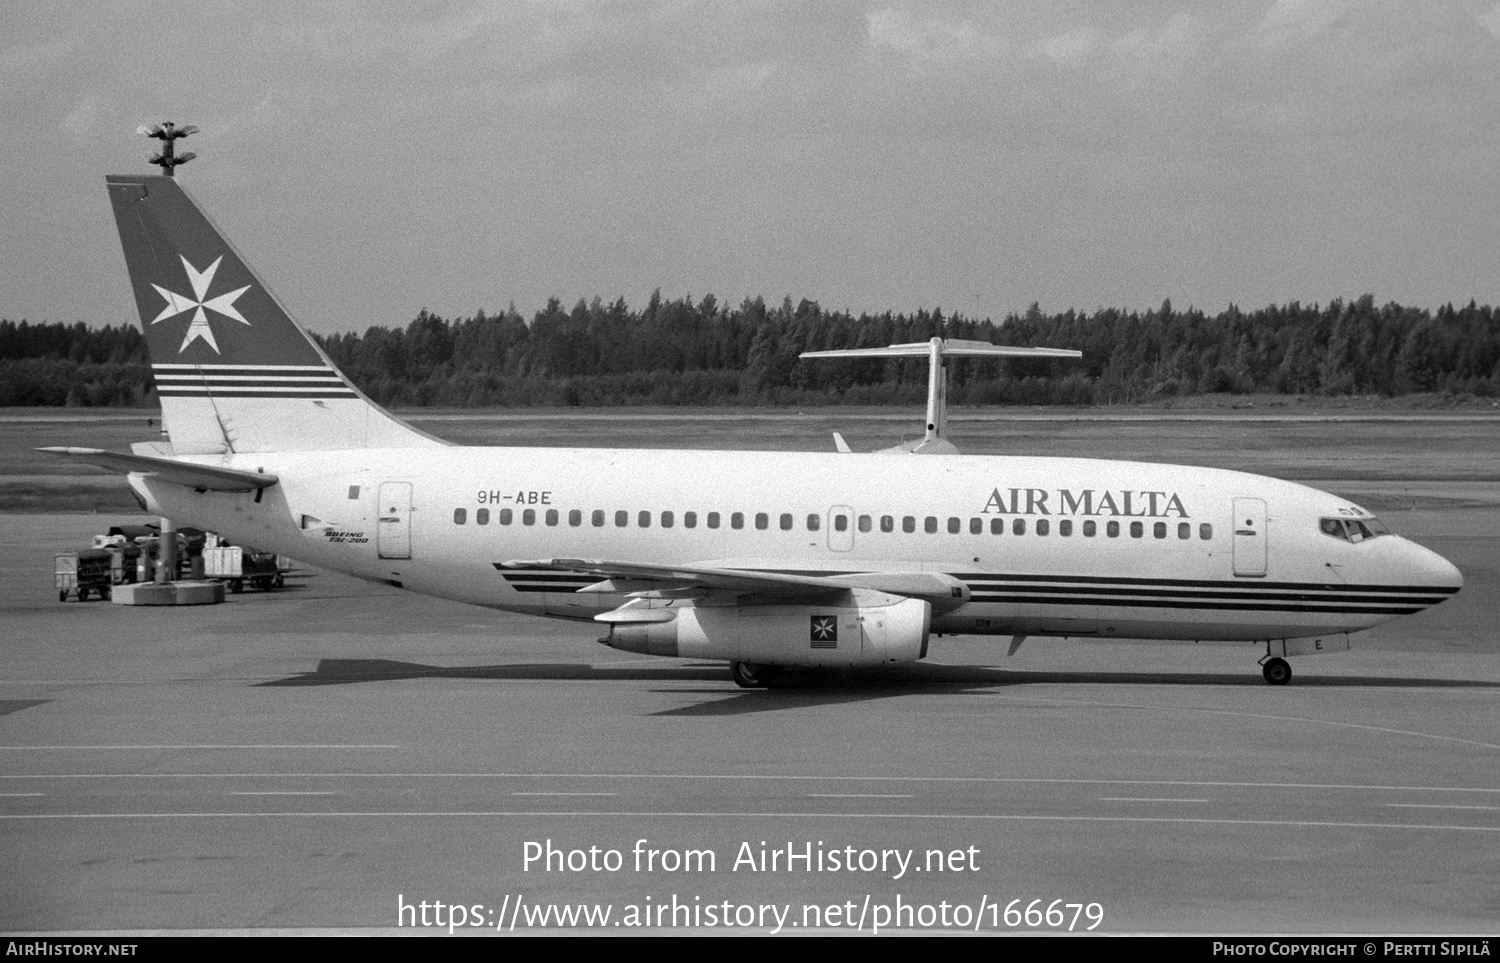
(1428,570)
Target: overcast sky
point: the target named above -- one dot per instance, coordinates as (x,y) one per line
(374,159)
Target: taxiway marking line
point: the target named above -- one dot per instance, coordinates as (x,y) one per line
(1147,799)
(213,746)
(564,794)
(10,795)
(1437,806)
(279,793)
(857,795)
(722,777)
(935,817)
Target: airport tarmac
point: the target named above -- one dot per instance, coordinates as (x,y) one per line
(312,759)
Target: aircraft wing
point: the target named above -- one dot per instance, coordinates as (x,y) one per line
(205,477)
(645,580)
(679,580)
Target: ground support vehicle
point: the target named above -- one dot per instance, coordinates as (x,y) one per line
(79,573)
(236,565)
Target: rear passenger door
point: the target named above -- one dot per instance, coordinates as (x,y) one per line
(392,528)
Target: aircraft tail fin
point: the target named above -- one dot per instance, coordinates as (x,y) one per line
(234,371)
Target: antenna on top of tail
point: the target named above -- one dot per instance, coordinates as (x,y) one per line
(168,133)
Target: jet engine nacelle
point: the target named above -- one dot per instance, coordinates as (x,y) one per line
(867,628)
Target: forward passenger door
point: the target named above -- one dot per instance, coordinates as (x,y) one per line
(1250,537)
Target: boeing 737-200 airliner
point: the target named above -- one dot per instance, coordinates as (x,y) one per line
(761,559)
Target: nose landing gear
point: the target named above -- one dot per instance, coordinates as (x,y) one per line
(1276,671)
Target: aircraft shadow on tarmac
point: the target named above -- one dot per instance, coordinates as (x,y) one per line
(7,706)
(797,689)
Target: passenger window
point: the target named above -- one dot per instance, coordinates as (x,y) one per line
(1112,529)
(929,525)
(1065,527)
(528,517)
(667,518)
(575,518)
(997,526)
(551,516)
(1159,530)
(762,521)
(713,519)
(887,523)
(1137,529)
(458,516)
(643,519)
(1205,531)
(506,516)
(597,518)
(737,520)
(482,516)
(865,521)
(1089,528)
(840,522)
(955,525)
(1184,530)
(908,524)
(976,526)
(1018,527)
(689,519)
(1042,526)
(622,518)
(786,521)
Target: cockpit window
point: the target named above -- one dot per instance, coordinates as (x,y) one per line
(1352,529)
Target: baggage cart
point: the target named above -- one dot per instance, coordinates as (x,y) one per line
(81,573)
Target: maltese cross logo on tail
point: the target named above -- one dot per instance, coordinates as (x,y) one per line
(178,304)
(824,632)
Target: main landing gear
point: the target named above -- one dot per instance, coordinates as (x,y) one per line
(753,675)
(1276,671)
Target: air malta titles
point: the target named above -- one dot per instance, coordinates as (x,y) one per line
(1088,501)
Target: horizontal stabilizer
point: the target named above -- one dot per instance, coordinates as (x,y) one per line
(204,477)
(934,439)
(951,348)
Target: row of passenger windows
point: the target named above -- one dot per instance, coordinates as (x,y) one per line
(1065,527)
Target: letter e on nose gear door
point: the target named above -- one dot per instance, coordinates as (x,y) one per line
(393,530)
(1250,537)
(840,528)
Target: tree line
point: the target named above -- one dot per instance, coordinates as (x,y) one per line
(700,352)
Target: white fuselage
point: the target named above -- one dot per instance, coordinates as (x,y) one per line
(1042,546)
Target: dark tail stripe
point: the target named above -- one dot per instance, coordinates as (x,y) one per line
(166,391)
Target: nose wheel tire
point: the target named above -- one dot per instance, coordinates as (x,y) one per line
(1276,671)
(752,675)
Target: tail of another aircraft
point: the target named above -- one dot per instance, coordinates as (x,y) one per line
(234,372)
